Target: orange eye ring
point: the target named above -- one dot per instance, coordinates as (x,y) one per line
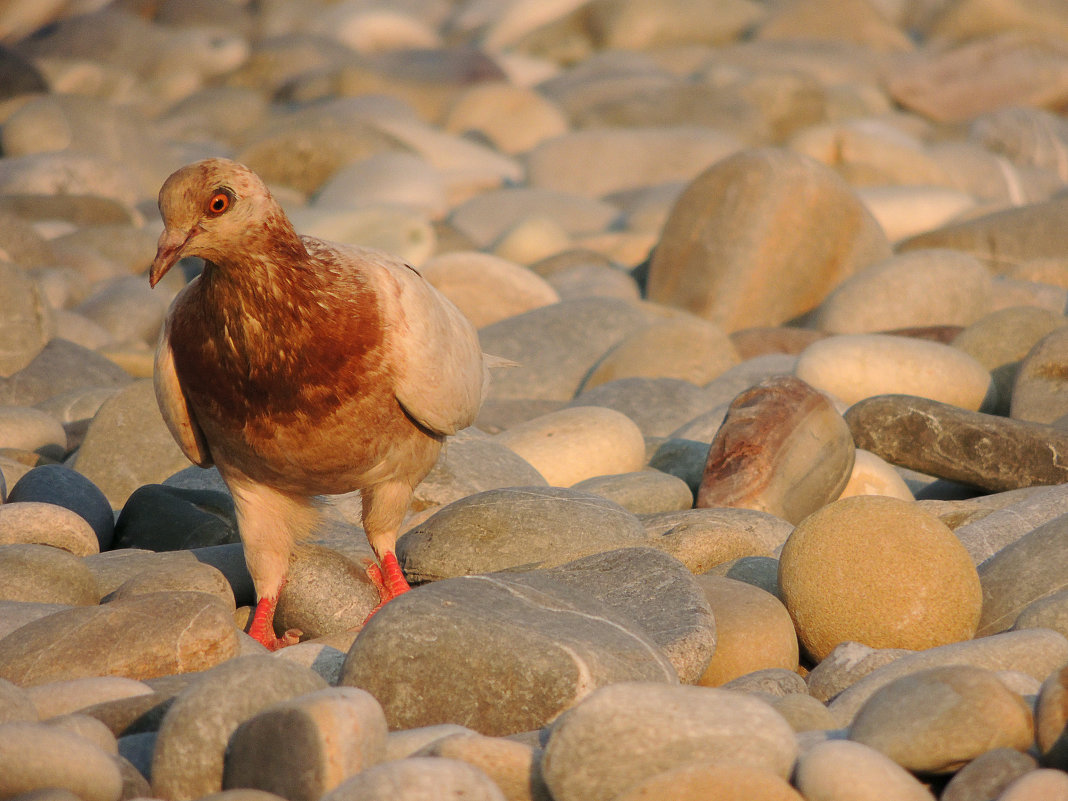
(220,202)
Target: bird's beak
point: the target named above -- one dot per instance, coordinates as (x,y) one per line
(168,251)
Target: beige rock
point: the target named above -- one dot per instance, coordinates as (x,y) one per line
(783,448)
(644,24)
(685,347)
(28,429)
(724,781)
(837,770)
(576,443)
(1043,784)
(940,719)
(873,476)
(47,524)
(1040,392)
(63,697)
(852,367)
(1012,68)
(804,712)
(514,118)
(1051,719)
(909,210)
(532,239)
(730,252)
(914,289)
(854,21)
(879,571)
(35,756)
(512,765)
(972,19)
(487,288)
(753,630)
(704,538)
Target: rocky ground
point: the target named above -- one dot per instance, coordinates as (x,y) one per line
(774,505)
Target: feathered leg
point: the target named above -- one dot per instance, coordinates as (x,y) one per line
(384,507)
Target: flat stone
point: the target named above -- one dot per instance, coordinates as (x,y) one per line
(556,345)
(938,720)
(16,705)
(918,288)
(141,637)
(1020,574)
(511,765)
(161,518)
(46,524)
(175,575)
(418,778)
(905,211)
(1040,392)
(685,347)
(901,579)
(940,439)
(840,769)
(389,179)
(189,756)
(28,429)
(629,732)
(725,781)
(944,85)
(576,443)
(643,492)
(727,245)
(783,449)
(467,277)
(306,746)
(1045,784)
(988,775)
(804,713)
(847,664)
(763,340)
(58,698)
(42,574)
(534,647)
(704,538)
(760,571)
(36,756)
(1049,612)
(112,569)
(996,521)
(128,445)
(852,367)
(404,743)
(64,487)
(874,476)
(15,614)
(1000,340)
(531,118)
(1051,719)
(753,631)
(1036,652)
(657,405)
(769,684)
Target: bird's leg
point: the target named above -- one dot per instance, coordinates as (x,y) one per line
(384,506)
(262,626)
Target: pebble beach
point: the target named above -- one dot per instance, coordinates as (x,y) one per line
(768,500)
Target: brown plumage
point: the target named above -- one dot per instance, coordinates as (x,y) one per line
(303,368)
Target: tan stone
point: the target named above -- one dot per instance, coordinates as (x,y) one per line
(724,781)
(873,476)
(857,21)
(1051,720)
(513,118)
(838,769)
(731,250)
(881,572)
(577,443)
(685,347)
(753,630)
(938,720)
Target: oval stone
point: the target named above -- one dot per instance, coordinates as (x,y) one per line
(55,484)
(629,732)
(47,524)
(856,366)
(418,777)
(43,574)
(835,770)
(879,571)
(35,756)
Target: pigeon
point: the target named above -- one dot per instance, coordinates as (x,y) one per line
(302,368)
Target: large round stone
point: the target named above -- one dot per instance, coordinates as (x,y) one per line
(879,571)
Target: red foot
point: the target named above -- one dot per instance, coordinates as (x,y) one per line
(388,580)
(262,626)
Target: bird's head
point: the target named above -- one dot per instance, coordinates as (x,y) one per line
(214,209)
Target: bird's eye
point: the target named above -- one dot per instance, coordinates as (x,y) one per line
(220,202)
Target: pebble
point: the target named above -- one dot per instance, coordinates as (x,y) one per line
(326,592)
(918,288)
(1050,612)
(643,492)
(46,524)
(753,631)
(188,761)
(1040,392)
(472,279)
(1015,453)
(577,443)
(783,449)
(836,770)
(728,243)
(163,633)
(852,367)
(418,778)
(533,648)
(60,486)
(874,476)
(36,573)
(900,578)
(1051,719)
(725,781)
(161,518)
(58,368)
(1043,784)
(308,745)
(988,775)
(938,720)
(27,429)
(64,697)
(683,347)
(35,756)
(512,765)
(658,406)
(628,732)
(1036,652)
